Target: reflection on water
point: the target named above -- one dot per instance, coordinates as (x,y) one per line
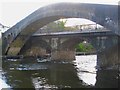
(108,79)
(43,73)
(86,68)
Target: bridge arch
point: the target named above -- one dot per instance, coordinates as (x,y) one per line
(26,27)
(71,43)
(35,46)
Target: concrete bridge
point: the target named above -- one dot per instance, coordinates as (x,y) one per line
(61,45)
(15,38)
(76,33)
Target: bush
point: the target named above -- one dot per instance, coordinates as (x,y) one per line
(81,47)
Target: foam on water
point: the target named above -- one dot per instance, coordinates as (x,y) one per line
(2,82)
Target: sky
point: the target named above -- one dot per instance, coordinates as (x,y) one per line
(12,11)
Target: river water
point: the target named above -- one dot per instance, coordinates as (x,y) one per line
(46,75)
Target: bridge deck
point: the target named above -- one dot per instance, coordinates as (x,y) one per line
(76,33)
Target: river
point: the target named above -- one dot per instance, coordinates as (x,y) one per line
(46,74)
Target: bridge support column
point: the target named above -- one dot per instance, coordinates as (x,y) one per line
(109,57)
(61,52)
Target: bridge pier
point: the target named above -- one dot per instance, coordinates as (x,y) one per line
(59,51)
(109,57)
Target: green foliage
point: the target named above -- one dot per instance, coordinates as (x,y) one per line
(81,47)
(55,26)
(61,24)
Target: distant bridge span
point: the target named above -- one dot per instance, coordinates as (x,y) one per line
(16,37)
(77,33)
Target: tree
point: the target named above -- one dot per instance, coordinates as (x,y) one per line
(81,47)
(55,26)
(61,24)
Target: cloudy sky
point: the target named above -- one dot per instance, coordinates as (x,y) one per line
(12,11)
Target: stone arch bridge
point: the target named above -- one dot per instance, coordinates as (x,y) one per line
(16,37)
(61,46)
(105,15)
